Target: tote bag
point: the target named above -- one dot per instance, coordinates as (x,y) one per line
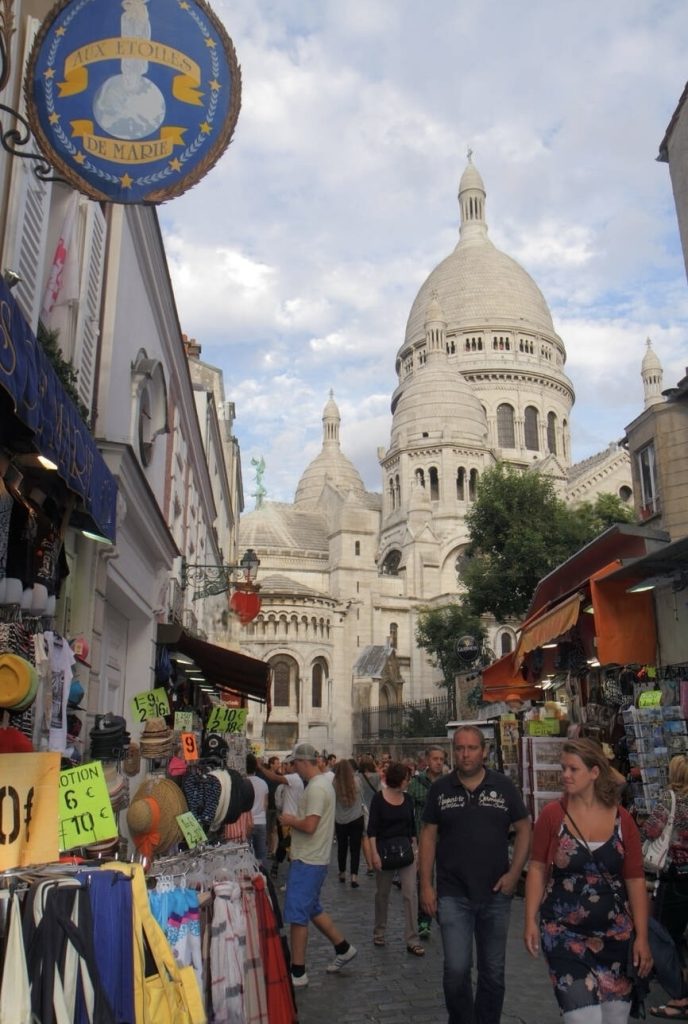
(656,851)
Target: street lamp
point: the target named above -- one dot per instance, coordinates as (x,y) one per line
(209,579)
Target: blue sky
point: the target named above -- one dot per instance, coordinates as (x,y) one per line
(296,260)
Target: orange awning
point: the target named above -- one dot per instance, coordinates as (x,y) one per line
(548,626)
(501,679)
(624,623)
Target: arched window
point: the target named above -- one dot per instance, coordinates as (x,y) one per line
(461,484)
(530,428)
(564,438)
(392,496)
(283,671)
(434,484)
(625,493)
(506,643)
(397,490)
(357,547)
(506,438)
(393,635)
(552,433)
(317,677)
(390,566)
(420,477)
(473,485)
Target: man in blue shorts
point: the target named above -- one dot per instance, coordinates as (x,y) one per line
(312,831)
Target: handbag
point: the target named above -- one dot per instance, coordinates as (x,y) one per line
(656,851)
(395,852)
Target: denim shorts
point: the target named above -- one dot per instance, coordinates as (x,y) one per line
(302,898)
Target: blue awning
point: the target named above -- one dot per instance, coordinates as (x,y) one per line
(57,430)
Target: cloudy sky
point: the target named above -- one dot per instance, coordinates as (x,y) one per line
(297,258)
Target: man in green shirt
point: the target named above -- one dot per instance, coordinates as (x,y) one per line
(418,791)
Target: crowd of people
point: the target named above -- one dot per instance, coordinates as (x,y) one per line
(457,843)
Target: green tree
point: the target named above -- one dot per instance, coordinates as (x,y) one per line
(437,631)
(519,532)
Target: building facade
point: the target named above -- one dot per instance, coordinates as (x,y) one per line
(480,378)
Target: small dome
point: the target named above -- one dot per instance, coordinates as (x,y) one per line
(437,399)
(650,359)
(433,313)
(471,178)
(330,466)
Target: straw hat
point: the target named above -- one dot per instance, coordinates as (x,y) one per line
(18,682)
(152,816)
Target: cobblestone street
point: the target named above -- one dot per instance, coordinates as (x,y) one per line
(387,986)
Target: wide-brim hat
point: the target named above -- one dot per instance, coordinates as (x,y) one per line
(223,803)
(241,797)
(152,816)
(18,682)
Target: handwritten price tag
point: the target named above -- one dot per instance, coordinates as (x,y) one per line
(28,808)
(84,809)
(183,721)
(189,746)
(650,699)
(150,704)
(191,830)
(224,719)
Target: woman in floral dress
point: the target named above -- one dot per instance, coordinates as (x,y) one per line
(586,882)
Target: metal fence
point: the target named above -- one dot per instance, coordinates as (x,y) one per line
(413,718)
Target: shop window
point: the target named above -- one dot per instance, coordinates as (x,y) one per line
(530,428)
(645,460)
(506,437)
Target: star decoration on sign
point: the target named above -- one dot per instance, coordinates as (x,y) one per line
(205,127)
(175,164)
(184,6)
(60,31)
(49,73)
(214,85)
(54,118)
(210,43)
(79,157)
(125,181)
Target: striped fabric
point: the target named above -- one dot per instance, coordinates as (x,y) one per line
(281,1006)
(227,954)
(255,996)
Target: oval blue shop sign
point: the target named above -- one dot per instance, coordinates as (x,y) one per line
(133,101)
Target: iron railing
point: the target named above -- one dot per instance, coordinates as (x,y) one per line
(394,721)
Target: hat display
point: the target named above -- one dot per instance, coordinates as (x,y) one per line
(76,693)
(18,682)
(214,745)
(303,752)
(117,787)
(81,650)
(152,816)
(12,741)
(202,791)
(157,739)
(225,781)
(109,737)
(131,764)
(241,796)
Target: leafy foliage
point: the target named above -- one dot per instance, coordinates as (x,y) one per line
(519,532)
(437,631)
(65,371)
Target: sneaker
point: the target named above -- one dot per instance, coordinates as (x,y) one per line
(299,982)
(341,960)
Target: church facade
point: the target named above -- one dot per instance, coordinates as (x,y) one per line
(344,571)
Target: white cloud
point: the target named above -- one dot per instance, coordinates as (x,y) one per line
(297,259)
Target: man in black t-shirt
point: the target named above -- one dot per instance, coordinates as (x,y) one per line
(466,823)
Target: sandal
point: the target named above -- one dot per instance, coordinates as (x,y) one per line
(378,940)
(416,950)
(664,1012)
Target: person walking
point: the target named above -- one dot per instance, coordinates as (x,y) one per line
(418,791)
(468,816)
(348,819)
(391,817)
(312,831)
(259,811)
(586,882)
(370,785)
(288,788)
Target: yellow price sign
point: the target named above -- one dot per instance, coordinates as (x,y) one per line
(84,810)
(150,704)
(183,721)
(191,829)
(189,746)
(28,809)
(224,719)
(650,699)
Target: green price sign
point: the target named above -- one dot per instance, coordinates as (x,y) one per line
(191,829)
(150,704)
(224,719)
(84,809)
(183,721)
(650,699)
(546,727)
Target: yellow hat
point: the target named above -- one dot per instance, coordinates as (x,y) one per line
(18,682)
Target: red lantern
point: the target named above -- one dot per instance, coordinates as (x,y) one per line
(245,602)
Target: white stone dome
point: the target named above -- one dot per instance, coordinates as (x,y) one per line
(650,359)
(330,466)
(438,403)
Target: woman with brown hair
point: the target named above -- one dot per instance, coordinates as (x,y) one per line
(348,819)
(391,817)
(587,884)
(671,902)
